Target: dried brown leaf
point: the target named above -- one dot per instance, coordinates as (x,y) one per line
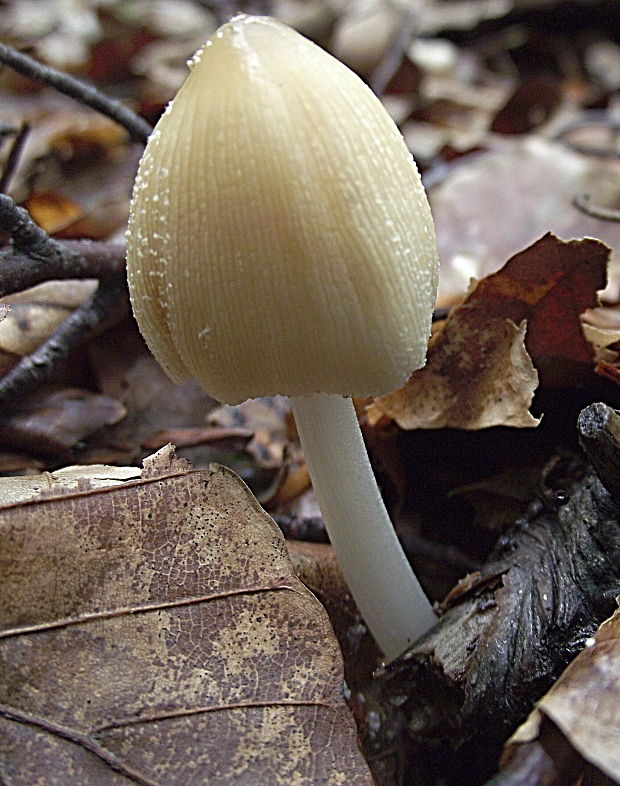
(52,211)
(550,284)
(482,370)
(478,375)
(154,633)
(584,704)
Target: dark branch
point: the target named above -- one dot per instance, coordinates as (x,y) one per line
(75,259)
(583,202)
(33,256)
(26,235)
(13,157)
(135,125)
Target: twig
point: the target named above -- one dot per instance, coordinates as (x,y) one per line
(392,57)
(593,117)
(583,202)
(33,256)
(26,235)
(87,94)
(13,157)
(76,259)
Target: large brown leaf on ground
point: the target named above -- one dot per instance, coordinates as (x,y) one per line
(154,633)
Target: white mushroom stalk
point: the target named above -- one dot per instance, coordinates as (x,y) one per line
(378,574)
(280,241)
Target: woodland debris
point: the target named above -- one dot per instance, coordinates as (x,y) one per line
(572,735)
(482,369)
(509,630)
(32,257)
(86,94)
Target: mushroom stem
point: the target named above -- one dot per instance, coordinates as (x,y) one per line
(380,578)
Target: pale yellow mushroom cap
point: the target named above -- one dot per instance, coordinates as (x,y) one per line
(280,240)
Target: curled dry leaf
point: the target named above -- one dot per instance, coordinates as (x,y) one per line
(479,373)
(584,704)
(154,632)
(550,284)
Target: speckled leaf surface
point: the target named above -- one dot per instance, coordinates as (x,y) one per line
(153,632)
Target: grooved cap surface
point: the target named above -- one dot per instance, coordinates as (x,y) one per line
(280,239)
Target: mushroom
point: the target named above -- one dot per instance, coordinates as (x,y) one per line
(280,241)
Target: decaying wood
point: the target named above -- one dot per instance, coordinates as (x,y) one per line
(509,630)
(599,434)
